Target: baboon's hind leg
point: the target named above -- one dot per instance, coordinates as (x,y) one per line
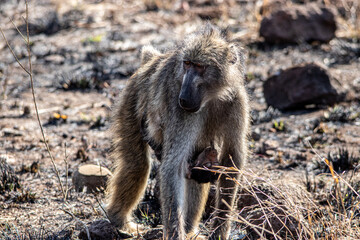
(129,181)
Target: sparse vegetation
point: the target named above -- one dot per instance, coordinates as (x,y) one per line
(10,232)
(342,114)
(342,160)
(279,126)
(82,83)
(8,179)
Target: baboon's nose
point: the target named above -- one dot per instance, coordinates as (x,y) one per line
(187,105)
(182,102)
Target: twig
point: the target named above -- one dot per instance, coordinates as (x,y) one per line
(29,72)
(18,30)
(67,173)
(78,220)
(102,208)
(12,52)
(34,98)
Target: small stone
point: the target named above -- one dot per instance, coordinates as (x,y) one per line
(55,58)
(270,152)
(43,20)
(26,111)
(93,177)
(255,134)
(270,145)
(8,132)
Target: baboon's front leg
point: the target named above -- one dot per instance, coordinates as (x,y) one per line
(172,186)
(178,147)
(233,156)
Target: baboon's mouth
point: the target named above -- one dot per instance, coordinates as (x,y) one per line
(190,109)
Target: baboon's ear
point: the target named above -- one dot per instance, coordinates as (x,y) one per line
(147,53)
(233,54)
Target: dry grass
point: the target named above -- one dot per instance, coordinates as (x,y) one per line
(324,207)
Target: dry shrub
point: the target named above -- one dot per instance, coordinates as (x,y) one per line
(8,179)
(153,5)
(270,208)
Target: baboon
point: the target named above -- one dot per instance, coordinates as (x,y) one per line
(199,168)
(181,102)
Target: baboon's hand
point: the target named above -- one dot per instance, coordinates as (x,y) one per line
(204,163)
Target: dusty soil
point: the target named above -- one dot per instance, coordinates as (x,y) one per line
(82,54)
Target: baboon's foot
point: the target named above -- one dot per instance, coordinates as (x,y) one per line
(133,228)
(123,223)
(127,226)
(195,235)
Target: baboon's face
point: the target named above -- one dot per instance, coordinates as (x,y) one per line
(203,79)
(191,92)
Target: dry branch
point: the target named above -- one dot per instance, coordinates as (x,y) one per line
(29,72)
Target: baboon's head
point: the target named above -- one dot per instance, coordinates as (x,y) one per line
(207,61)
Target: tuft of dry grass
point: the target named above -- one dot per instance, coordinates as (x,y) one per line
(325,207)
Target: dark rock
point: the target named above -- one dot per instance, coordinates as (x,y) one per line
(65,234)
(300,86)
(299,23)
(256,134)
(44,20)
(8,132)
(72,17)
(102,230)
(155,233)
(2,71)
(26,111)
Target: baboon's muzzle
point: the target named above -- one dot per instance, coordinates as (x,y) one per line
(189,97)
(187,106)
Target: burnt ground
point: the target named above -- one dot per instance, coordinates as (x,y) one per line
(82,54)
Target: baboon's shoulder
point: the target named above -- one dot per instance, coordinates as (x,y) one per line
(148,53)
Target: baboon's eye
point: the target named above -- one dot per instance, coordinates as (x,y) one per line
(187,64)
(199,65)
(200,68)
